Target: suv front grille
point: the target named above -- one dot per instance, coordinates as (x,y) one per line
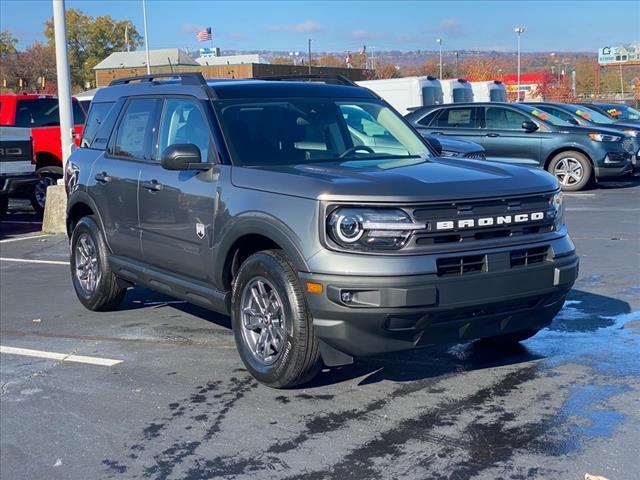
(460,237)
(461,265)
(529,256)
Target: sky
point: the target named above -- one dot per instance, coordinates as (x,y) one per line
(348,25)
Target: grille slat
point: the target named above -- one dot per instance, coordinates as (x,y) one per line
(529,256)
(461,265)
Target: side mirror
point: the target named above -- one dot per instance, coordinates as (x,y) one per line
(529,126)
(434,143)
(182,156)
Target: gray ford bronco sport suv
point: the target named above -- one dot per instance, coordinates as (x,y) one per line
(322,240)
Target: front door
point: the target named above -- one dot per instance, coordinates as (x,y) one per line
(177,208)
(504,138)
(459,122)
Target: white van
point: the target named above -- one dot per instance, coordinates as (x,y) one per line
(490,91)
(457,90)
(406,93)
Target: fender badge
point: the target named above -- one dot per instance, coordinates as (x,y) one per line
(200,230)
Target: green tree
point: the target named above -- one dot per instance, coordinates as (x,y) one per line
(7,43)
(91,40)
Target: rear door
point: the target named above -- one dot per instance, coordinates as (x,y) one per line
(504,138)
(177,208)
(116,174)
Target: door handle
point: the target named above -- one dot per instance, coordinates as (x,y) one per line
(493,135)
(152,185)
(103,177)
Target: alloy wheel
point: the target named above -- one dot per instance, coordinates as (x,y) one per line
(568,171)
(263,321)
(86,264)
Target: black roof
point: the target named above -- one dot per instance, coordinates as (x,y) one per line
(234,89)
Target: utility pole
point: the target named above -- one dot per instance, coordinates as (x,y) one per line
(457,55)
(146,35)
(64,81)
(621,82)
(309,57)
(126,36)
(519,31)
(439,42)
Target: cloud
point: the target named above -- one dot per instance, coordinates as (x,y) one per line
(308,26)
(362,34)
(451,27)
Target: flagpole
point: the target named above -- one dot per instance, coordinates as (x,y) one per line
(146,35)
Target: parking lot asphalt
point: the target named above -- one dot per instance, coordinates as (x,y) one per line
(180,405)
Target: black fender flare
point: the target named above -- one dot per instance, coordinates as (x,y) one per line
(82,197)
(258,224)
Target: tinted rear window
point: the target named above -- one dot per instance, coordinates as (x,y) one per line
(43,112)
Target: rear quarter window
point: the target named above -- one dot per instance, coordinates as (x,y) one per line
(95,119)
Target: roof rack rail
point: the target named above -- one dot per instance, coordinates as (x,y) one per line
(335,79)
(187,78)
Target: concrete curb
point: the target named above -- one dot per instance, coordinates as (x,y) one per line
(55,210)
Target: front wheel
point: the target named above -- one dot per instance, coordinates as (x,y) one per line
(572,170)
(271,323)
(95,284)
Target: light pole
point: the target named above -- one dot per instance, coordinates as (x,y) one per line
(294,56)
(309,56)
(146,35)
(519,31)
(439,42)
(64,83)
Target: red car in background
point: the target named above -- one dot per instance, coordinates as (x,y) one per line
(40,114)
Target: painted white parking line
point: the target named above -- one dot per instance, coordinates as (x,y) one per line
(9,240)
(63,357)
(28,260)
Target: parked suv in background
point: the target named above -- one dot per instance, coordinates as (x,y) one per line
(616,111)
(513,132)
(40,114)
(585,117)
(254,198)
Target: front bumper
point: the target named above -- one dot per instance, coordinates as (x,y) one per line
(368,315)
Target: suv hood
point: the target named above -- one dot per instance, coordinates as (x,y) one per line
(455,144)
(410,180)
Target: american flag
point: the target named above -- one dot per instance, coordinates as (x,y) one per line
(204,35)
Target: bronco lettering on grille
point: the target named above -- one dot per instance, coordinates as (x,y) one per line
(489,221)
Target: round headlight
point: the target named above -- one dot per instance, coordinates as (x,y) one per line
(349,228)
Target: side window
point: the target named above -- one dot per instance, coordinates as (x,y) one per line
(78,114)
(498,118)
(97,113)
(136,130)
(183,122)
(567,117)
(427,119)
(457,118)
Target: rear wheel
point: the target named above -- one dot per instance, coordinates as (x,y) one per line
(39,194)
(272,326)
(572,170)
(95,284)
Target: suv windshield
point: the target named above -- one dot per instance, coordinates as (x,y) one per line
(545,116)
(589,114)
(294,131)
(621,112)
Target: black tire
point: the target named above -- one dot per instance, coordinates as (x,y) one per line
(509,338)
(570,159)
(298,360)
(4,206)
(39,193)
(107,294)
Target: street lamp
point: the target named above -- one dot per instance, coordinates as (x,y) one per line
(439,42)
(294,56)
(519,31)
